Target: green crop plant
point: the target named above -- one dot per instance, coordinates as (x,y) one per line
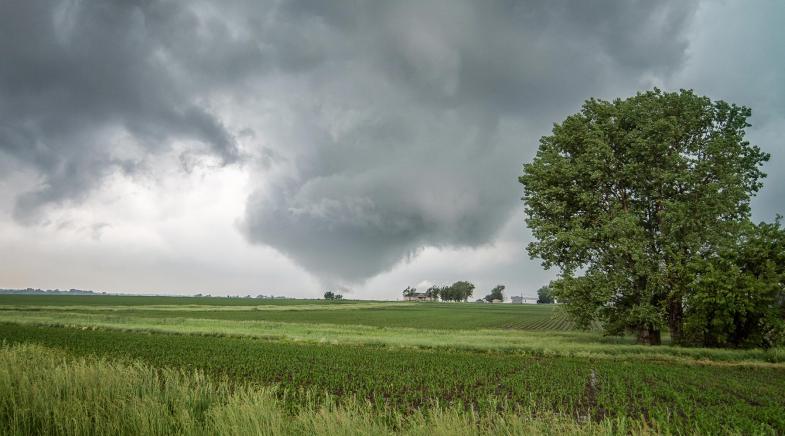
(679,397)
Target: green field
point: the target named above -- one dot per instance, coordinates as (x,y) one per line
(378,367)
(345,312)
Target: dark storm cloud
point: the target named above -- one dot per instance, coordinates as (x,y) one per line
(735,57)
(393,125)
(73,74)
(401,142)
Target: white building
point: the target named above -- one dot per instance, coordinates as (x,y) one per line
(520,299)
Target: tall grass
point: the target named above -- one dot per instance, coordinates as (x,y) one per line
(43,391)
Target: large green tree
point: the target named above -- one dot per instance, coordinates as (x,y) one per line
(623,196)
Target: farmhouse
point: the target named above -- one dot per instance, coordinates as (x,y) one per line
(418,296)
(523,300)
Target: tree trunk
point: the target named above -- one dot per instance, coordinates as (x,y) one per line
(675,317)
(649,336)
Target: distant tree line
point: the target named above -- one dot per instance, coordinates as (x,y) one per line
(458,291)
(31,291)
(463,290)
(330,295)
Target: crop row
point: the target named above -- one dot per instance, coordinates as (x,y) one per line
(557,321)
(443,316)
(679,397)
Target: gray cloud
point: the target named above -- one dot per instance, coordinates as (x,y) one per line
(76,74)
(733,58)
(401,141)
(377,128)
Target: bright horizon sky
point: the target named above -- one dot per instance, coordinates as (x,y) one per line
(288,148)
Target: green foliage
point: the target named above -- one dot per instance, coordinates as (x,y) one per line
(545,295)
(625,195)
(738,295)
(497,293)
(409,291)
(458,291)
(330,295)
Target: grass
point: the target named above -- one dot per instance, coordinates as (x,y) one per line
(66,396)
(670,396)
(359,368)
(540,343)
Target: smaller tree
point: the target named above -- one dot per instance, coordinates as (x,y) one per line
(545,295)
(445,293)
(409,291)
(330,295)
(451,293)
(461,291)
(497,293)
(433,293)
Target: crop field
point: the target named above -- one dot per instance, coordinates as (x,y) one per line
(345,312)
(365,367)
(56,300)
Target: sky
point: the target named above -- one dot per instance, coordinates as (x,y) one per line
(289,147)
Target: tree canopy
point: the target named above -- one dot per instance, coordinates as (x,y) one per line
(330,295)
(737,296)
(636,200)
(458,291)
(545,295)
(497,293)
(433,293)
